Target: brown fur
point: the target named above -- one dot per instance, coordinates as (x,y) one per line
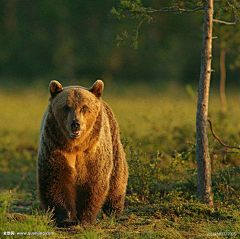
(81,162)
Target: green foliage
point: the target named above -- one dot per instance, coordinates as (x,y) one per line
(136,11)
(89,234)
(225,184)
(76,41)
(228,36)
(157,131)
(34,222)
(187,4)
(144,173)
(227,9)
(6,198)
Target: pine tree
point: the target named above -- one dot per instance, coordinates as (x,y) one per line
(137,10)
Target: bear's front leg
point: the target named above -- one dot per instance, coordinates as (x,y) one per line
(90,199)
(114,204)
(56,185)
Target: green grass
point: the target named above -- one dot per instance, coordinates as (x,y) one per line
(158,132)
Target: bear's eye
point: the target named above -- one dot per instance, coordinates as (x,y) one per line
(84,109)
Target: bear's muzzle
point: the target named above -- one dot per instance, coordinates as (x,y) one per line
(75,128)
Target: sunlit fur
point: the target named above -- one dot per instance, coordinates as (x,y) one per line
(79,176)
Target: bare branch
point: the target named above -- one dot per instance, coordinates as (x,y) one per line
(219,140)
(227,23)
(176,9)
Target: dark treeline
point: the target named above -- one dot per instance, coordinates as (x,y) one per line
(76,39)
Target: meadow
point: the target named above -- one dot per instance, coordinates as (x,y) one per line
(157,127)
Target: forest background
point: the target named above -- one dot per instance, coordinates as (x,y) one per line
(73,40)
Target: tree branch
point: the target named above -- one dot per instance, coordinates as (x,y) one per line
(219,140)
(176,9)
(227,23)
(139,24)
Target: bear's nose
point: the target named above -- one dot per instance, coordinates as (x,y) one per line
(75,125)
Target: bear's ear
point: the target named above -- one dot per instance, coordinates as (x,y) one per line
(55,87)
(97,88)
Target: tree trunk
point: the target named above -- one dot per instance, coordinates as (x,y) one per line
(204,190)
(223,101)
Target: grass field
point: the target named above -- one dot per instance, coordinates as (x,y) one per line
(158,132)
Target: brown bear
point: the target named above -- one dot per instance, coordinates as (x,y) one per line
(81,162)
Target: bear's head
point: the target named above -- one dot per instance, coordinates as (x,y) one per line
(75,108)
